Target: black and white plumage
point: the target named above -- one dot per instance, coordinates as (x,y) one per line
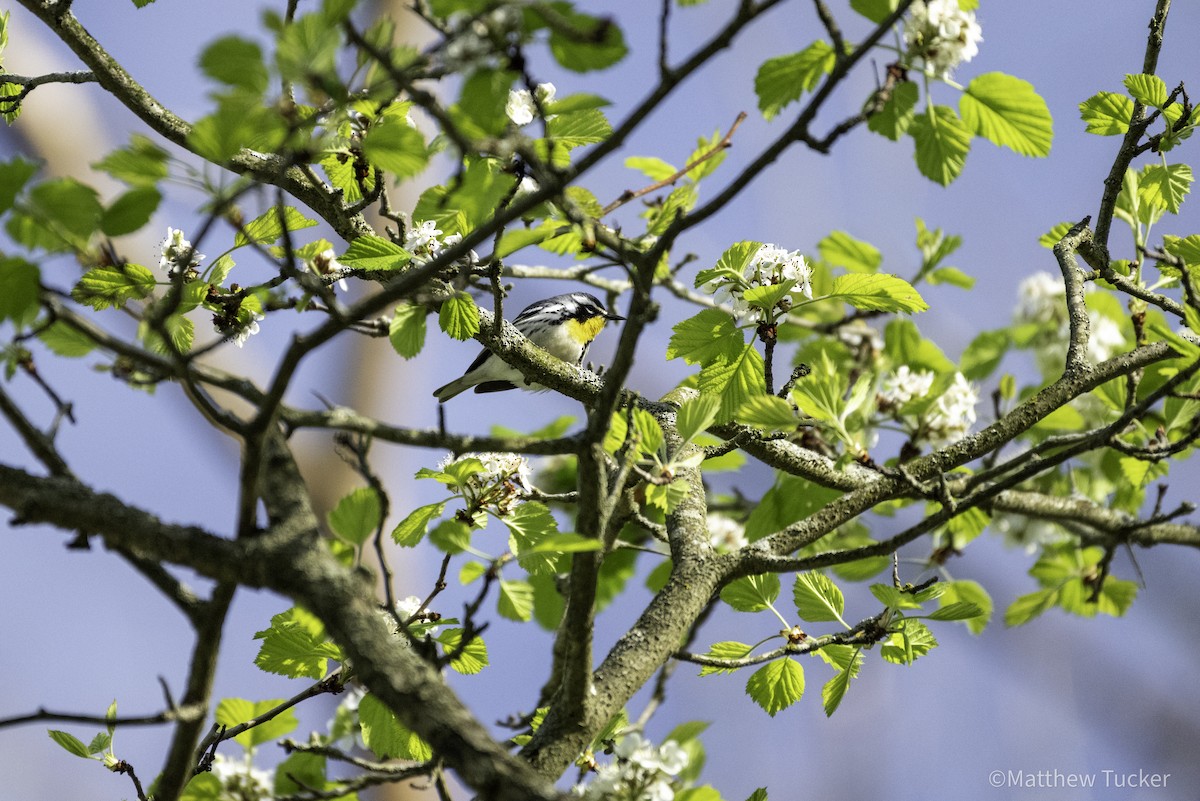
(563,325)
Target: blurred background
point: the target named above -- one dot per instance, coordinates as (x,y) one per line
(79,629)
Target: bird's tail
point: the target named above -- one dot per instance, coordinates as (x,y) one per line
(455,387)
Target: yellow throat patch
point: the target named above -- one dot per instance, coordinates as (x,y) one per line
(584,331)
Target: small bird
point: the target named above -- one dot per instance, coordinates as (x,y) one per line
(563,325)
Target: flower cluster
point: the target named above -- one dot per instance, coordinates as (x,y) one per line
(942,35)
(237,327)
(771,266)
(641,772)
(240,780)
(1041,303)
(522,107)
(407,607)
(473,40)
(176,254)
(947,420)
(501,483)
(725,534)
(424,241)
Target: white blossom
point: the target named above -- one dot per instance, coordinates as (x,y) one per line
(942,35)
(325,263)
(176,253)
(725,534)
(770,266)
(240,780)
(953,413)
(521,108)
(1106,338)
(905,385)
(424,241)
(641,772)
(407,607)
(1040,299)
(248,330)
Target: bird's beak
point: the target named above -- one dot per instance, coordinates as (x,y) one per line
(611,316)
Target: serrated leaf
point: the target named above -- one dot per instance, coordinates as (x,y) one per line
(1166,185)
(19,282)
(834,691)
(70,743)
(515,601)
(409,531)
(235,61)
(269,226)
(942,143)
(728,649)
(897,113)
(583,43)
(956,610)
(529,524)
(769,413)
(1106,113)
(751,593)
(776,685)
(952,276)
(102,287)
(459,316)
(1148,89)
(1008,112)
(14,174)
(357,515)
(696,415)
(652,167)
(1187,248)
(732,264)
(817,598)
(913,641)
(842,250)
(130,211)
(877,291)
(406,332)
(386,736)
(983,354)
(295,645)
(394,146)
(236,711)
(735,381)
(709,336)
(1054,235)
(1027,607)
(474,655)
(784,79)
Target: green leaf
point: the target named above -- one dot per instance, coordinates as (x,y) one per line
(913,641)
(386,736)
(735,381)
(474,656)
(394,146)
(751,593)
(776,685)
(459,316)
(768,413)
(956,610)
(875,10)
(783,79)
(1027,607)
(1106,113)
(236,711)
(296,646)
(69,209)
(357,515)
(241,120)
(983,355)
(130,211)
(1054,235)
(942,143)
(19,282)
(60,338)
(696,415)
(1148,89)
(580,42)
(70,743)
(565,542)
(140,163)
(237,62)
(102,287)
(269,226)
(842,250)
(515,601)
(732,264)
(707,337)
(817,598)
(903,344)
(952,276)
(652,167)
(877,291)
(1187,248)
(725,650)
(451,536)
(834,691)
(407,330)
(375,253)
(14,175)
(409,531)
(1008,112)
(529,524)
(1166,185)
(897,113)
